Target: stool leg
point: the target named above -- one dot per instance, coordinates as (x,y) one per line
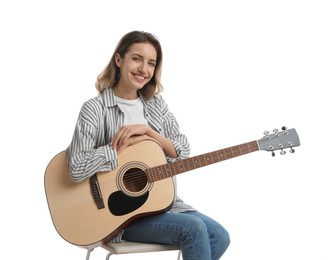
(179,255)
(89,253)
(108,256)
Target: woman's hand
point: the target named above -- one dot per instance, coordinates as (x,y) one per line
(129,135)
(132,134)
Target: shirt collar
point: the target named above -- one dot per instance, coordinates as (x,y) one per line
(108,97)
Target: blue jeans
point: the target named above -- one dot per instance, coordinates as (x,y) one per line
(199,236)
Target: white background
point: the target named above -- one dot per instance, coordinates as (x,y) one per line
(232,69)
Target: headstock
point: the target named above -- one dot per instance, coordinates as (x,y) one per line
(279,140)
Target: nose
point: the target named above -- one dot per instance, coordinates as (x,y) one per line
(143,67)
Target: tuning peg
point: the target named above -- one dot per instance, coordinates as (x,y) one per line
(266,134)
(273,153)
(291,149)
(285,129)
(275,131)
(282,151)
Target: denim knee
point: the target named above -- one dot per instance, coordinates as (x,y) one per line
(221,241)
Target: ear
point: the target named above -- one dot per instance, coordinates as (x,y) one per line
(117,59)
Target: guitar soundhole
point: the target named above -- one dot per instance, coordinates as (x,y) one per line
(135,180)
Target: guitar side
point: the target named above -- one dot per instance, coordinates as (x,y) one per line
(74,212)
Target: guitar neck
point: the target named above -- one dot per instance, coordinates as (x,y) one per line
(171,169)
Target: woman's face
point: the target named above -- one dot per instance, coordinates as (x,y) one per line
(137,67)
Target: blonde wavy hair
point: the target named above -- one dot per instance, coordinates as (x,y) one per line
(111,74)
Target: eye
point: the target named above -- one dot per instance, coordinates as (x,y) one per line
(152,64)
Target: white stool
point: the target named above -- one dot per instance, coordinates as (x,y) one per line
(133,247)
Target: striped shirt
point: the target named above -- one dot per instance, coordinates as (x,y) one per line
(100,118)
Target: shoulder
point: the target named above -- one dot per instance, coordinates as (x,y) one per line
(92,105)
(157,106)
(100,102)
(157,101)
(92,111)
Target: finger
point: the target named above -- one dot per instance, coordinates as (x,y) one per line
(114,141)
(117,137)
(124,136)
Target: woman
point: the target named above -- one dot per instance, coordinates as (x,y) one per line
(128,110)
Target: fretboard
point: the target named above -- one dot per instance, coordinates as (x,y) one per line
(171,169)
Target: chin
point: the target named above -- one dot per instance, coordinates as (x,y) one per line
(140,85)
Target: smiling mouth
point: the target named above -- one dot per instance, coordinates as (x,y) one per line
(139,78)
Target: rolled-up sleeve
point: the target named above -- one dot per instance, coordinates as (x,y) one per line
(86,156)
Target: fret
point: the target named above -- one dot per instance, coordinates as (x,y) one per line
(220,156)
(189,164)
(237,151)
(180,166)
(167,170)
(229,153)
(171,169)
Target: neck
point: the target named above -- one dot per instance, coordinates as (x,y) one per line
(124,93)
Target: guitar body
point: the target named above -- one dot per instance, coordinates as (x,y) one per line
(125,193)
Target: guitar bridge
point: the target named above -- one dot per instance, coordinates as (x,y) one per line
(96,191)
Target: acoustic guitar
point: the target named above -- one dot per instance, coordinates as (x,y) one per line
(93,211)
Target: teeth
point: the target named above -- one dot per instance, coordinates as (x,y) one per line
(140,77)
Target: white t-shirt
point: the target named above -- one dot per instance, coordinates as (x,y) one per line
(133,111)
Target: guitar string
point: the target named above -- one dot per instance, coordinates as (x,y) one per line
(140,176)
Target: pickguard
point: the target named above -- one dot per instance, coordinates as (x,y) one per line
(120,204)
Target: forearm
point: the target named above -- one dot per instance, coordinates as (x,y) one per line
(85,163)
(166,143)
